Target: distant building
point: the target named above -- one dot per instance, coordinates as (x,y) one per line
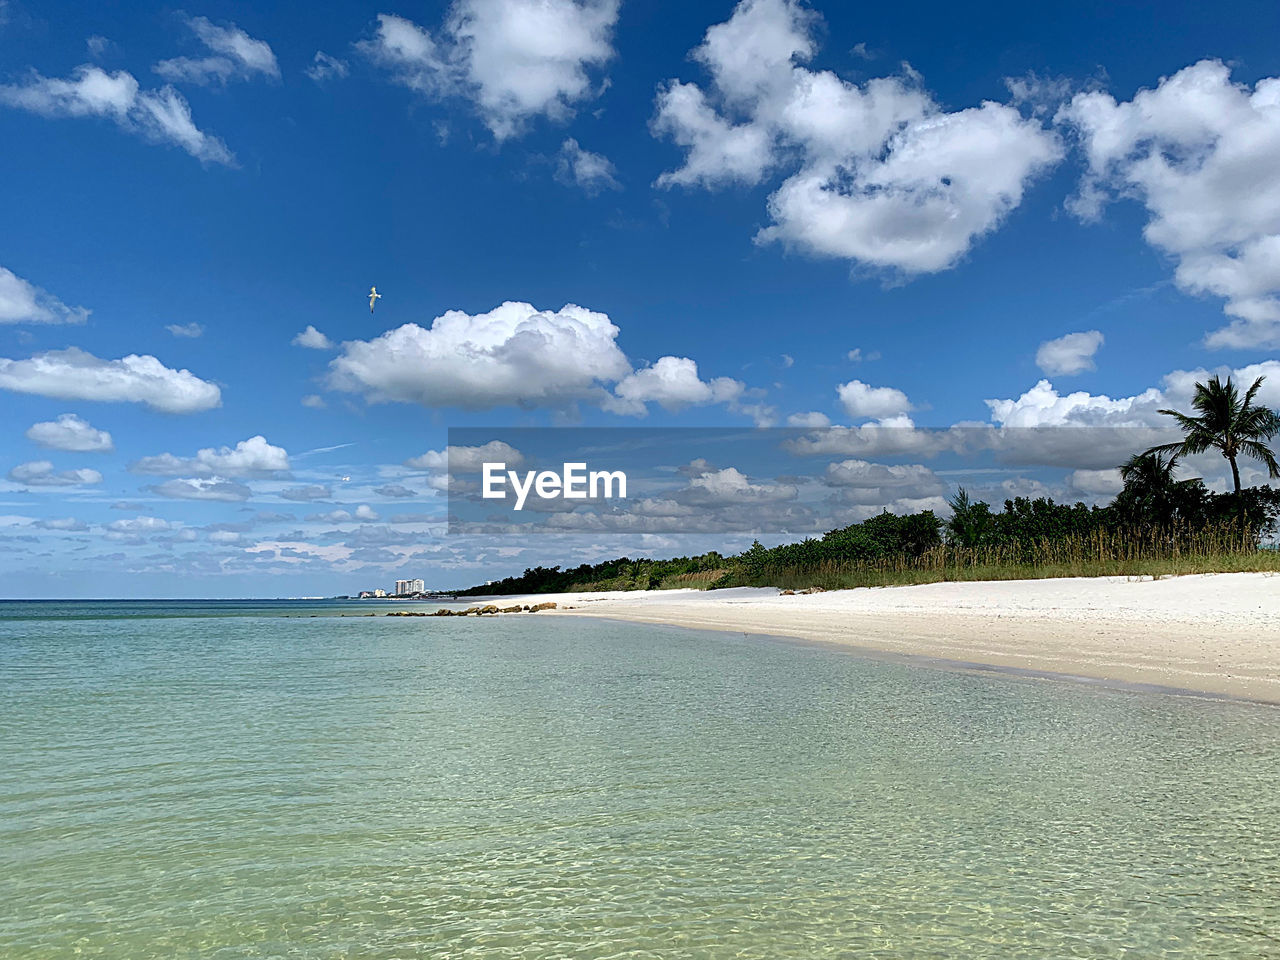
(405,588)
(372,594)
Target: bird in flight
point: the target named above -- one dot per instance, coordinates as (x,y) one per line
(374,297)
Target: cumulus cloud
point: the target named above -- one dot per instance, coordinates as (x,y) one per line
(1199,152)
(363,513)
(161,116)
(74,374)
(314,401)
(233,55)
(460,459)
(64,524)
(1043,406)
(867,483)
(1070,354)
(861,400)
(591,172)
(731,486)
(1096,483)
(324,67)
(188,330)
(254,457)
(203,488)
(811,419)
(41,473)
(672,383)
(513,59)
(139,525)
(312,339)
(878,174)
(1106,429)
(70,432)
(514,355)
(23,302)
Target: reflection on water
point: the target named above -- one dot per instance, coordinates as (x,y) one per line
(248,784)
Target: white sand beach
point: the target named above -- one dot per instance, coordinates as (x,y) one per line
(1217,634)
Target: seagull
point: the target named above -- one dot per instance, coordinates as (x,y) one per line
(374,297)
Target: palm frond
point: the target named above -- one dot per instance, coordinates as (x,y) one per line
(1249,394)
(1263,454)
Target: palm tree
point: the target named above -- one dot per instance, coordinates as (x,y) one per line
(1225,422)
(1150,475)
(1151,494)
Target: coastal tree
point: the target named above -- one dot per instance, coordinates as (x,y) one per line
(970,523)
(1153,495)
(1235,426)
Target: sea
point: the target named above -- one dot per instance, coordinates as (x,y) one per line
(246,779)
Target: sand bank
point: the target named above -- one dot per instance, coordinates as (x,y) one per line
(1217,634)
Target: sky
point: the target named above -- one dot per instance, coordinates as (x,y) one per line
(887,219)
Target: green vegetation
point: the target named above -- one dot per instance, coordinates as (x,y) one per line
(1156,526)
(1234,426)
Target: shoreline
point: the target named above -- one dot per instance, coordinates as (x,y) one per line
(1214,634)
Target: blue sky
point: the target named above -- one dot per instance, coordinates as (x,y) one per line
(888,218)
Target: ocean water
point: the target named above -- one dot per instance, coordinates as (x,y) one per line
(273,780)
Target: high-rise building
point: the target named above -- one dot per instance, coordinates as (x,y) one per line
(406,587)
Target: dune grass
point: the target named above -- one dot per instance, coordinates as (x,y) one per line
(1103,553)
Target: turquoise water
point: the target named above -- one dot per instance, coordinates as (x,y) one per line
(241,783)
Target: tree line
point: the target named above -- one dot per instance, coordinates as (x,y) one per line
(1154,508)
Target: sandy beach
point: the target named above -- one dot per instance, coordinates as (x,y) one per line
(1216,634)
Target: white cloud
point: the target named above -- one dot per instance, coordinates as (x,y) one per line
(187,330)
(461,459)
(1098,483)
(139,525)
(1199,152)
(1102,431)
(203,488)
(235,56)
(1043,406)
(1070,354)
(312,339)
(41,473)
(731,486)
(314,401)
(514,355)
(864,482)
(65,524)
(363,513)
(514,59)
(811,419)
(592,172)
(880,175)
(324,67)
(861,400)
(161,116)
(254,457)
(74,374)
(23,302)
(892,436)
(69,432)
(672,383)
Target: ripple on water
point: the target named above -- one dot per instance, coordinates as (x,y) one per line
(252,785)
